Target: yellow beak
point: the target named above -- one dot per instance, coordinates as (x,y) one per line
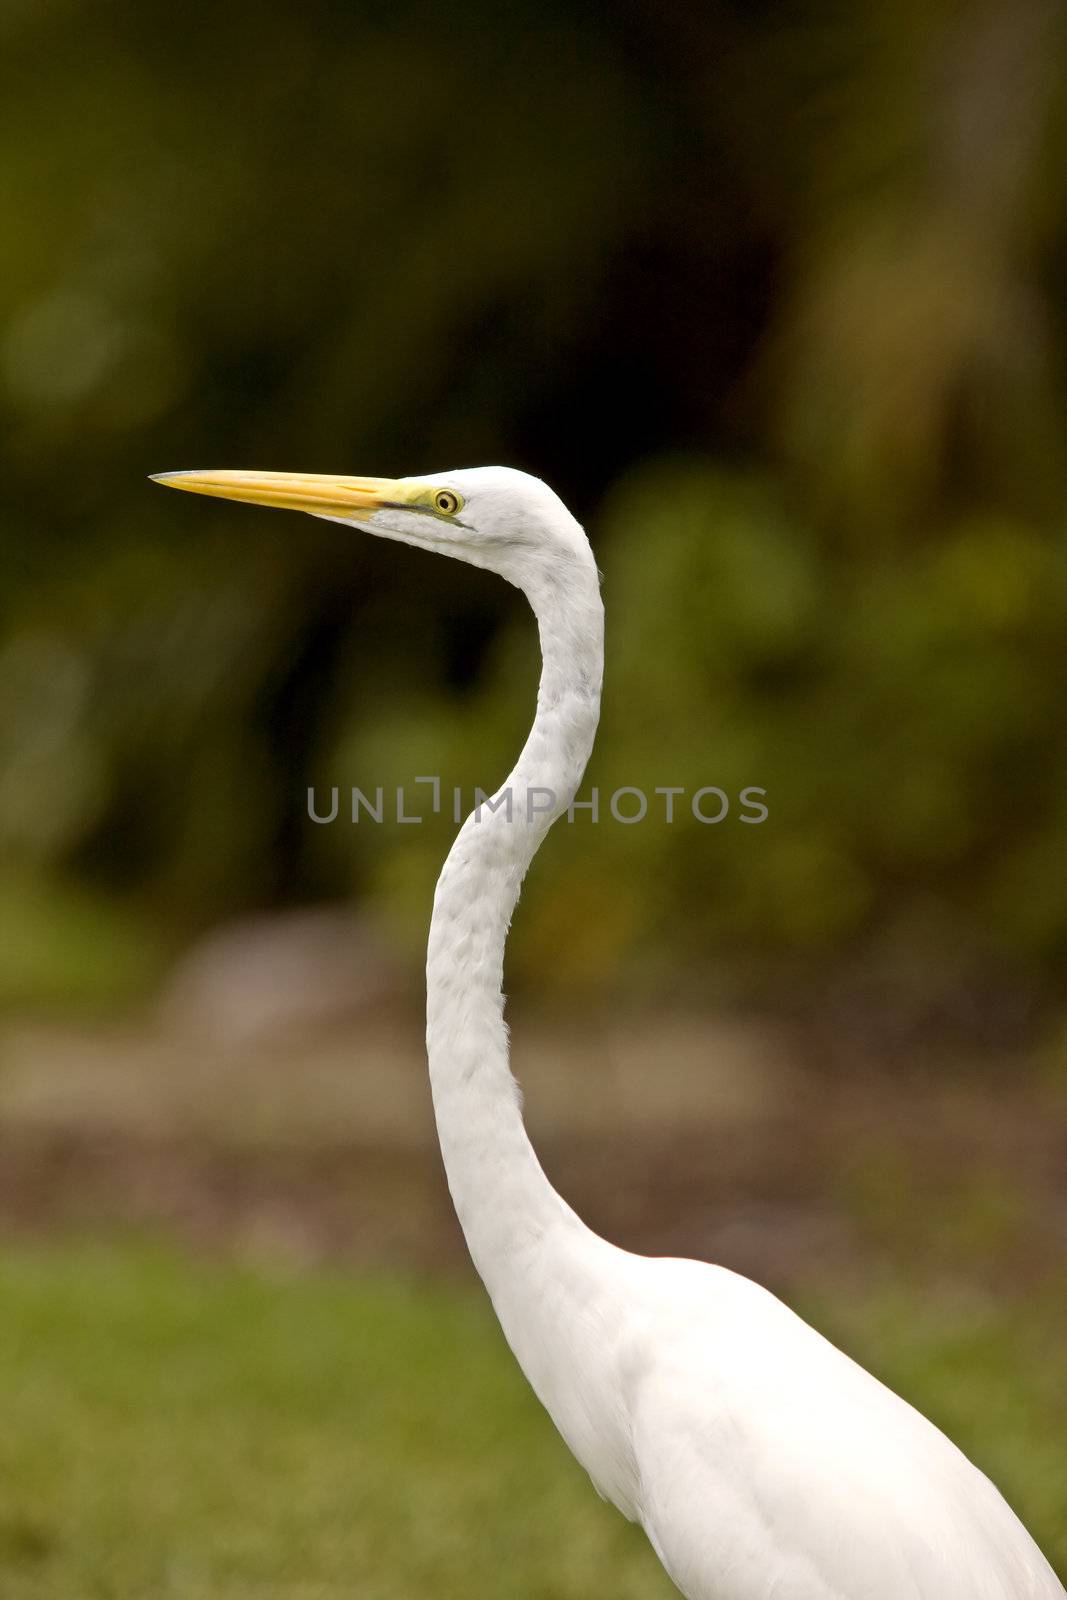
(319,493)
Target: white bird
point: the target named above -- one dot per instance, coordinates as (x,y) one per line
(760,1460)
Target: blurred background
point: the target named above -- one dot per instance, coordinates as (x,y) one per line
(774,296)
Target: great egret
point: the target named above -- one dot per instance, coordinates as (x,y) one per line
(759,1459)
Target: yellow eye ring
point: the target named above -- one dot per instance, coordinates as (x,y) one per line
(447,502)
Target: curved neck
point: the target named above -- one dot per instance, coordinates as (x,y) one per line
(504,1202)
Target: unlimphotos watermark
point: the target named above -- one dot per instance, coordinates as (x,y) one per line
(627,805)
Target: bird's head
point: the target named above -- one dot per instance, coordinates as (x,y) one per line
(494,517)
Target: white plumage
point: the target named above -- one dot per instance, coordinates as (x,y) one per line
(761,1461)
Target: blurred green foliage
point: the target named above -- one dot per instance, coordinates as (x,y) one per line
(771,294)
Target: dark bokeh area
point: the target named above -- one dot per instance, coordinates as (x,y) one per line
(774,296)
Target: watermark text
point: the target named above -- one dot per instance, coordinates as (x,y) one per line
(626,806)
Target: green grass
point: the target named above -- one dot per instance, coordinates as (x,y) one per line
(171,1428)
(178,1429)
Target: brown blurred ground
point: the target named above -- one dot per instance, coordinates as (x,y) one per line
(712,1137)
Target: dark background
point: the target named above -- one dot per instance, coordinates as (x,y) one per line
(772,295)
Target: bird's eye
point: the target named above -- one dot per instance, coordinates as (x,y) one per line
(447,502)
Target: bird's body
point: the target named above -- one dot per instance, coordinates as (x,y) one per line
(761,1461)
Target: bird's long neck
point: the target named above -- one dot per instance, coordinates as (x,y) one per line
(509,1212)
